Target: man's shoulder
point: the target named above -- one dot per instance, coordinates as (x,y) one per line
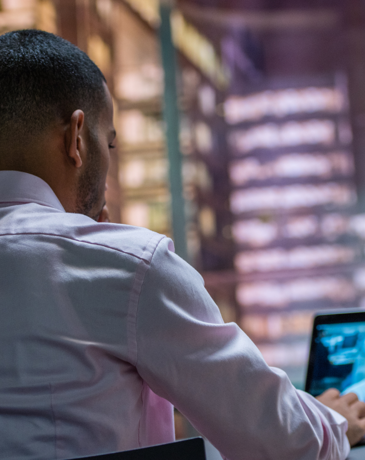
(135,241)
(38,220)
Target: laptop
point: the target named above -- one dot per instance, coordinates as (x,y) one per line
(337,358)
(192,449)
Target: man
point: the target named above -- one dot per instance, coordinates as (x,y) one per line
(102,326)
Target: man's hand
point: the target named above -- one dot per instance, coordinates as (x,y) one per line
(349,407)
(104,215)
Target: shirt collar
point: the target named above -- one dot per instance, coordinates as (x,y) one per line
(19,187)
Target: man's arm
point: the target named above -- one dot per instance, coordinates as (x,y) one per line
(216,377)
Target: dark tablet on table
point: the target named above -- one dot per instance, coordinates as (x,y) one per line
(192,449)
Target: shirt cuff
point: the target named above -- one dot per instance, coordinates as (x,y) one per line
(335,442)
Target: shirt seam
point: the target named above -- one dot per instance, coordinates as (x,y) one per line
(54,420)
(78,240)
(139,422)
(133,313)
(4,204)
(139,278)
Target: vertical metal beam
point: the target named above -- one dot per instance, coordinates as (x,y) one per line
(353,14)
(171,116)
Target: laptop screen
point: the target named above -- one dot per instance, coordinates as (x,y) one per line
(337,356)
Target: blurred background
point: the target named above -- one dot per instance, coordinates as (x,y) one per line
(241,134)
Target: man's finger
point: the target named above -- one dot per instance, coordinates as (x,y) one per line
(362,424)
(104,215)
(332,393)
(350,398)
(359,407)
(329,395)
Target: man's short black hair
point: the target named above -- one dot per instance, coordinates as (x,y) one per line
(44,78)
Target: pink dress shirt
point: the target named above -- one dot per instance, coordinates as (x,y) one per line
(103,328)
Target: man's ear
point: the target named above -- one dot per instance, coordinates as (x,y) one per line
(74,139)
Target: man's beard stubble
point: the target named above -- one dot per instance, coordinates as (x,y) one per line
(89,182)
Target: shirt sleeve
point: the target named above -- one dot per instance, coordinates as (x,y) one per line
(217,378)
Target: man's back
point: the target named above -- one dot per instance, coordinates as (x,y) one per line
(67,292)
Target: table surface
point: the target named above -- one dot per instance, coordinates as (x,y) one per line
(358,453)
